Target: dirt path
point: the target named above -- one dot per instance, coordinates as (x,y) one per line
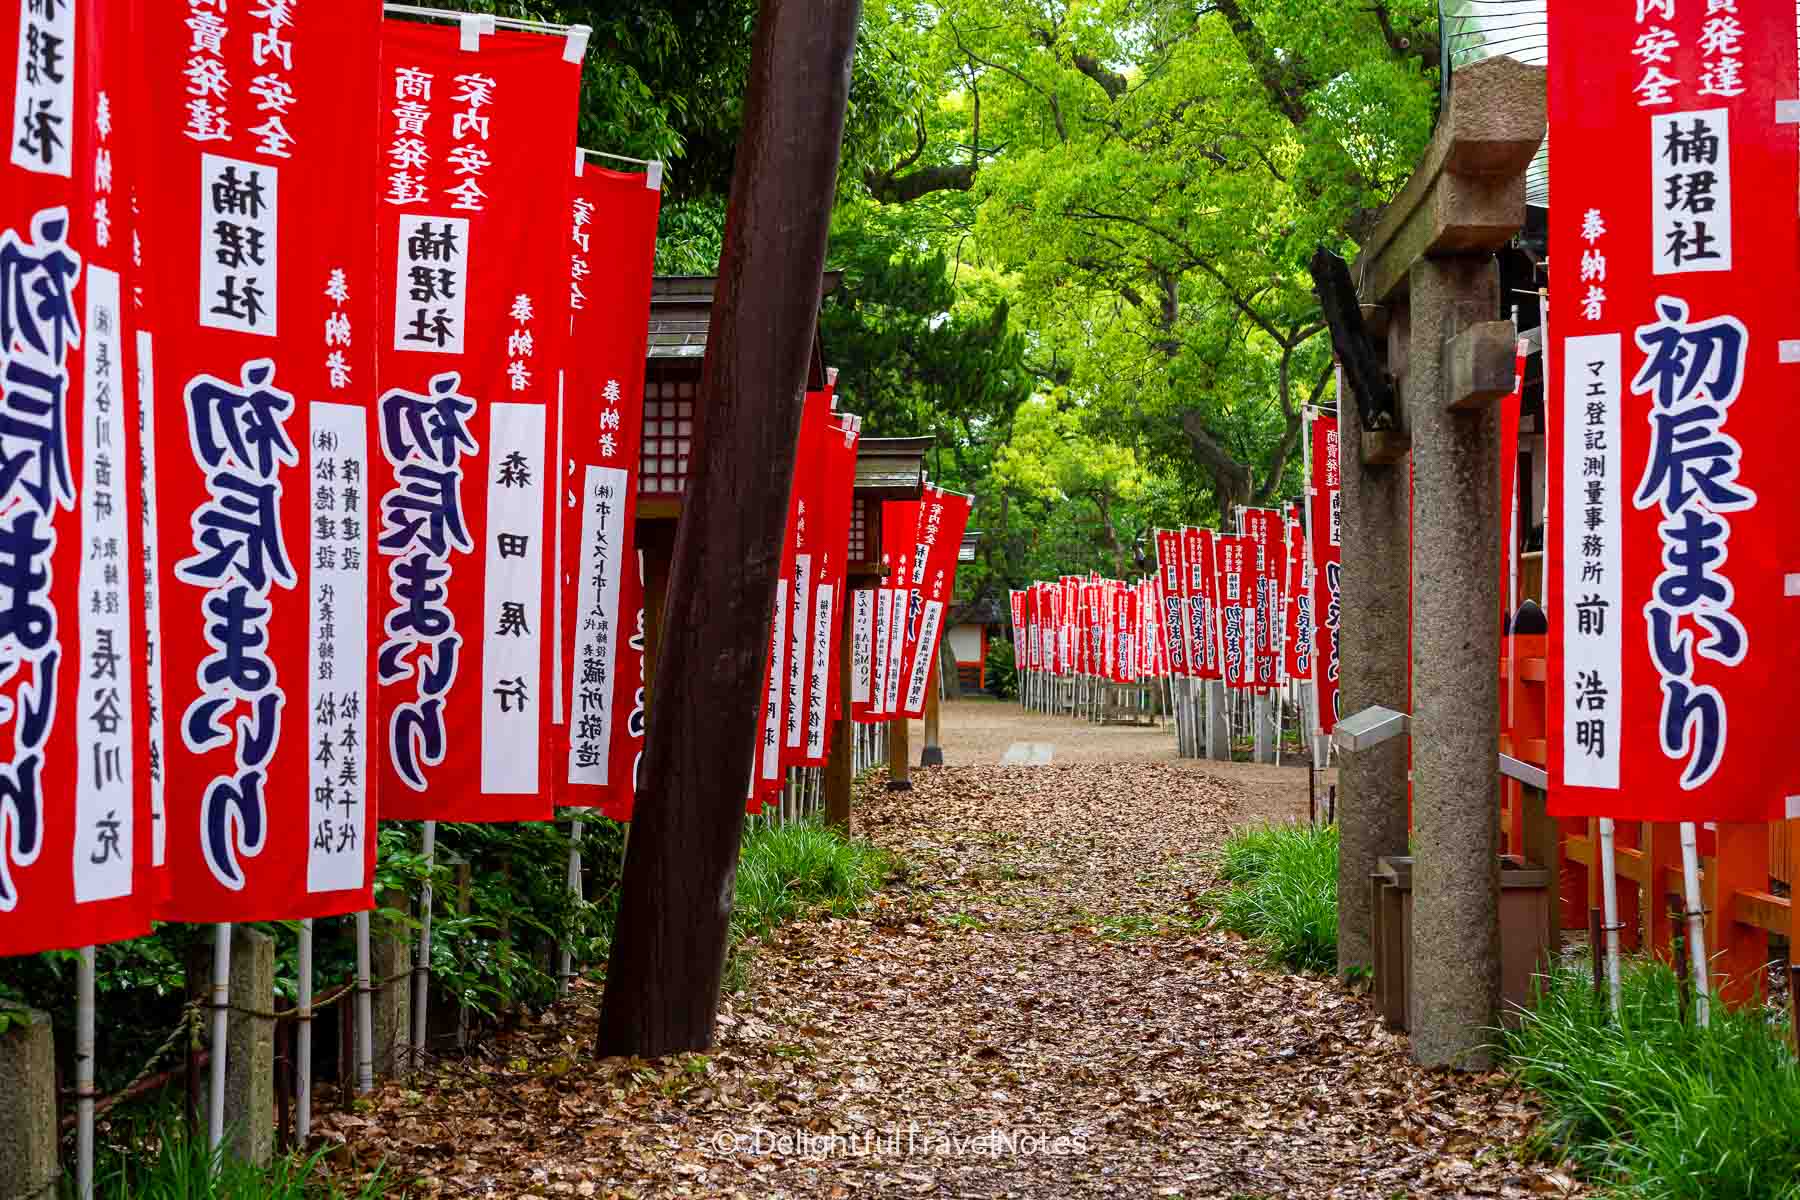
(985,732)
(1038,1009)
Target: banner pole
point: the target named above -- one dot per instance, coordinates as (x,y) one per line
(567,968)
(365,1009)
(1696,922)
(84,1075)
(221,1007)
(422,966)
(303,1032)
(1609,889)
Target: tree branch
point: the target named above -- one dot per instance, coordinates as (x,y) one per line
(899,189)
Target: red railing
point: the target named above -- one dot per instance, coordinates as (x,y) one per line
(1741,864)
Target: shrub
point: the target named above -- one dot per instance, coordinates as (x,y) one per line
(1002,674)
(1658,1109)
(1283,892)
(785,870)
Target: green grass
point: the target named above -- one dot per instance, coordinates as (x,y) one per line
(785,871)
(1657,1110)
(159,1161)
(1283,892)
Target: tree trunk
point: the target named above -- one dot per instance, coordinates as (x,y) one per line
(662,984)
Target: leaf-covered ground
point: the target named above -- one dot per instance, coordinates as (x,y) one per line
(1036,1009)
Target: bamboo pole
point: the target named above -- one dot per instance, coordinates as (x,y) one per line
(303,1031)
(365,1009)
(566,969)
(1609,890)
(1696,921)
(221,1007)
(84,1075)
(422,966)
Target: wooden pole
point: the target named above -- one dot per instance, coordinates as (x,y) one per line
(662,985)
(899,769)
(933,753)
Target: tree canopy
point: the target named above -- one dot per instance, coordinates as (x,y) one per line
(1074,232)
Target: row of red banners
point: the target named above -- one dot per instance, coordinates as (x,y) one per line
(321,411)
(896,629)
(1235,607)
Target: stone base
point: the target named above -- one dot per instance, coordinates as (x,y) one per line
(933,756)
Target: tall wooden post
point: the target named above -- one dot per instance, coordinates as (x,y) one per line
(933,753)
(662,989)
(899,769)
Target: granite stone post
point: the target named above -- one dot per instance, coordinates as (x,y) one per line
(1372,637)
(390,956)
(1218,722)
(28,1135)
(250,1048)
(1456,673)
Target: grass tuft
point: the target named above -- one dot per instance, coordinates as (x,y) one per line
(1283,892)
(1658,1110)
(787,870)
(160,1160)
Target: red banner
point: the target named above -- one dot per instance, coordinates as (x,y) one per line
(781,683)
(474,149)
(1327,534)
(824,680)
(1235,570)
(899,524)
(1670,383)
(599,598)
(263,431)
(1203,604)
(1297,605)
(1510,415)
(1262,529)
(1174,598)
(942,519)
(75,822)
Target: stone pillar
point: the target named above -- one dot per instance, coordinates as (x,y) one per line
(250,1048)
(28,1136)
(1218,722)
(1261,751)
(1456,676)
(1372,637)
(391,955)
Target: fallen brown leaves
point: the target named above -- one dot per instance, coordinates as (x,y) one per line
(1038,1009)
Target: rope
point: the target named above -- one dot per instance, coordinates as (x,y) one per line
(326,1001)
(190,1022)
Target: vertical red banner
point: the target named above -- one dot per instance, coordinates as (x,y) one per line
(1203,603)
(1674,566)
(475,143)
(899,527)
(824,681)
(263,425)
(943,518)
(599,606)
(1263,530)
(1174,598)
(1297,604)
(75,821)
(1327,531)
(1236,573)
